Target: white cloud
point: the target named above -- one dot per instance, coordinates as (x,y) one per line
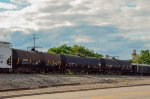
(82,39)
(7,6)
(53,13)
(19,2)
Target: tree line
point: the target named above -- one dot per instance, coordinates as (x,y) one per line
(143,57)
(74,50)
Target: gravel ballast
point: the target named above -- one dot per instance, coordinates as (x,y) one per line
(34,81)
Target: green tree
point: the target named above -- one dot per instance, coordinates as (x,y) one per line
(143,58)
(74,50)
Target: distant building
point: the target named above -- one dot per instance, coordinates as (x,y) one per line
(107,56)
(134,54)
(111,57)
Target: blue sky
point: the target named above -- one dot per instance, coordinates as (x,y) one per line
(7,1)
(113,27)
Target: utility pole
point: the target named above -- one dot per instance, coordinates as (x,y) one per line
(34,47)
(34,39)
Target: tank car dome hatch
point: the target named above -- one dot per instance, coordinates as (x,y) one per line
(5,55)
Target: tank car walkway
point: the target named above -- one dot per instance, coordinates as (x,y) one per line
(137,92)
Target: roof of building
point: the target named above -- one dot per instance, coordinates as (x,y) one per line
(4,42)
(141,64)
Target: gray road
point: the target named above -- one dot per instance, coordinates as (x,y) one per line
(140,92)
